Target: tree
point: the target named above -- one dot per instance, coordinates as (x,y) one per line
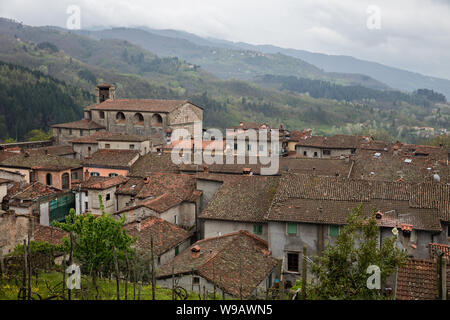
(94,241)
(341,270)
(38,135)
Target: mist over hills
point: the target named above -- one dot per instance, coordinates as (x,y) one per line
(277,89)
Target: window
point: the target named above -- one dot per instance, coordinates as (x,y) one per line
(95,174)
(175,219)
(101,114)
(74,175)
(353,151)
(59,130)
(235,146)
(81,132)
(70,131)
(292,228)
(177,250)
(326,152)
(131,146)
(138,119)
(112,174)
(48,179)
(448,231)
(257,229)
(334,230)
(159,260)
(261,147)
(120,117)
(292,261)
(157,120)
(315,154)
(249,147)
(196,280)
(65,182)
(108,196)
(86,206)
(305,153)
(107,146)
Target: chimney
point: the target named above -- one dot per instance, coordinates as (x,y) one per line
(105,91)
(138,225)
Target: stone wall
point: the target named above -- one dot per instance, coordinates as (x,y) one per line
(13,230)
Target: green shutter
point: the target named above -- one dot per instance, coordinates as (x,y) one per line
(292,228)
(176,250)
(257,229)
(334,230)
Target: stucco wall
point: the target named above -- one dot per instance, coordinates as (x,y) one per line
(13,230)
(214,228)
(82,149)
(209,189)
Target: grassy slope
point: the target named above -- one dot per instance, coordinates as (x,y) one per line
(10,288)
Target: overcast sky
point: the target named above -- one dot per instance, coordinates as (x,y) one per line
(413,34)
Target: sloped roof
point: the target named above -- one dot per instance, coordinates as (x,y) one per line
(93,138)
(153,162)
(111,158)
(27,160)
(165,235)
(299,197)
(417,280)
(29,192)
(49,234)
(242,198)
(161,191)
(52,150)
(80,124)
(139,105)
(237,262)
(101,183)
(338,141)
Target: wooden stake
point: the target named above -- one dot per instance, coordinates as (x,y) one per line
(304,270)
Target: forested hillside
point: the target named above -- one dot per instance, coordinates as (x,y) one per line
(297,103)
(32,100)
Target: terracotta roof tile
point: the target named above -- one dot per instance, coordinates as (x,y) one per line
(145,105)
(42,161)
(417,280)
(80,124)
(101,183)
(242,198)
(165,235)
(112,158)
(237,262)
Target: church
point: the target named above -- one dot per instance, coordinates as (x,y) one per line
(143,117)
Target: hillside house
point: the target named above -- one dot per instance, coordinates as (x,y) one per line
(237,264)
(168,239)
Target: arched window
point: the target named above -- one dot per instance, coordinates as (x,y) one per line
(157,120)
(65,183)
(120,117)
(48,179)
(138,119)
(113,174)
(95,174)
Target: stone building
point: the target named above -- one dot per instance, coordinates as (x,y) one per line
(144,117)
(302,215)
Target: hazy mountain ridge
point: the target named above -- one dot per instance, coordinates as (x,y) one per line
(139,73)
(393,77)
(226,62)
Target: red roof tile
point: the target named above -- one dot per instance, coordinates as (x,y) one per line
(237,262)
